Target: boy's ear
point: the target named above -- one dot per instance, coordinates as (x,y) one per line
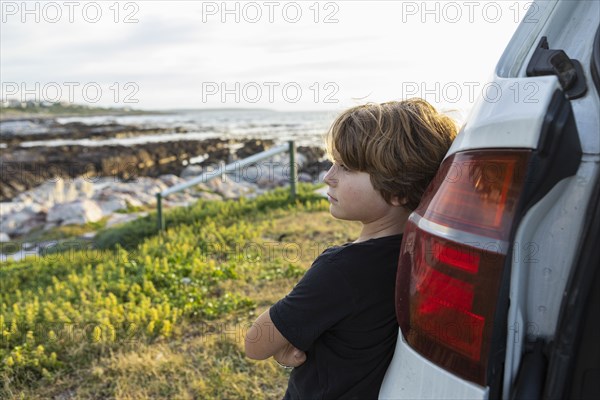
(397,201)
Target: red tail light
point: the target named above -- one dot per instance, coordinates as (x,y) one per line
(452,258)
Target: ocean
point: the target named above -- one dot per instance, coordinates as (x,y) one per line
(306,128)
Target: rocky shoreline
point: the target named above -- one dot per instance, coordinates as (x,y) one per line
(45,187)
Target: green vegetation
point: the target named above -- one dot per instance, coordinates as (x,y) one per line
(148,315)
(66,232)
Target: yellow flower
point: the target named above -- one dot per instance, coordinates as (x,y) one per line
(150,327)
(166,328)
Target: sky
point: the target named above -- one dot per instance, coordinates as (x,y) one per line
(282,55)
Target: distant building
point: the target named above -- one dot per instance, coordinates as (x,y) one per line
(11,103)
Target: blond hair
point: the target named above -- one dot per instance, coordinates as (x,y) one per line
(399,143)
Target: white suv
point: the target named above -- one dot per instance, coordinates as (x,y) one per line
(498,289)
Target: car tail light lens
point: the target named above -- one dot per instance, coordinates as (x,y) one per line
(452,258)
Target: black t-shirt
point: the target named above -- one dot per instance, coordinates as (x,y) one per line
(342,315)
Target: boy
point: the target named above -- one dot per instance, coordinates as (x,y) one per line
(338,327)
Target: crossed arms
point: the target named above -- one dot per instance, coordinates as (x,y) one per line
(263,340)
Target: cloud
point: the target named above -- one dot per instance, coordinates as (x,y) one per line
(175,47)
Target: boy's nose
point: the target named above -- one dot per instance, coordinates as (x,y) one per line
(329,177)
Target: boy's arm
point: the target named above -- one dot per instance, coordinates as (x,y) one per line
(264,340)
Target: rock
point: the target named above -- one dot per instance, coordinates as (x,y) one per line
(56,191)
(23,221)
(141,191)
(311,154)
(300,160)
(304,177)
(186,280)
(116,219)
(180,199)
(84,187)
(276,175)
(114,204)
(21,217)
(52,192)
(77,212)
(314,162)
(110,199)
(208,196)
(9,207)
(50,225)
(192,171)
(252,147)
(47,194)
(69,175)
(27,168)
(228,188)
(171,179)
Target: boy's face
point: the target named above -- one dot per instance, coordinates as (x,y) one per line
(352,196)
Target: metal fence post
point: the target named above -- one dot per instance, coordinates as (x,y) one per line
(293,170)
(160,216)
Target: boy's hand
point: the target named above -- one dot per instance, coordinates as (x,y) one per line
(290,356)
(263,340)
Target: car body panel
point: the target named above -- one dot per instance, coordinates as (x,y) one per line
(545,247)
(518,51)
(440,384)
(571,27)
(546,241)
(513,119)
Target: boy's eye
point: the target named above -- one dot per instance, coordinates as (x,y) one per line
(343,167)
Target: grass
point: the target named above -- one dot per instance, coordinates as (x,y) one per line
(178,304)
(60,232)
